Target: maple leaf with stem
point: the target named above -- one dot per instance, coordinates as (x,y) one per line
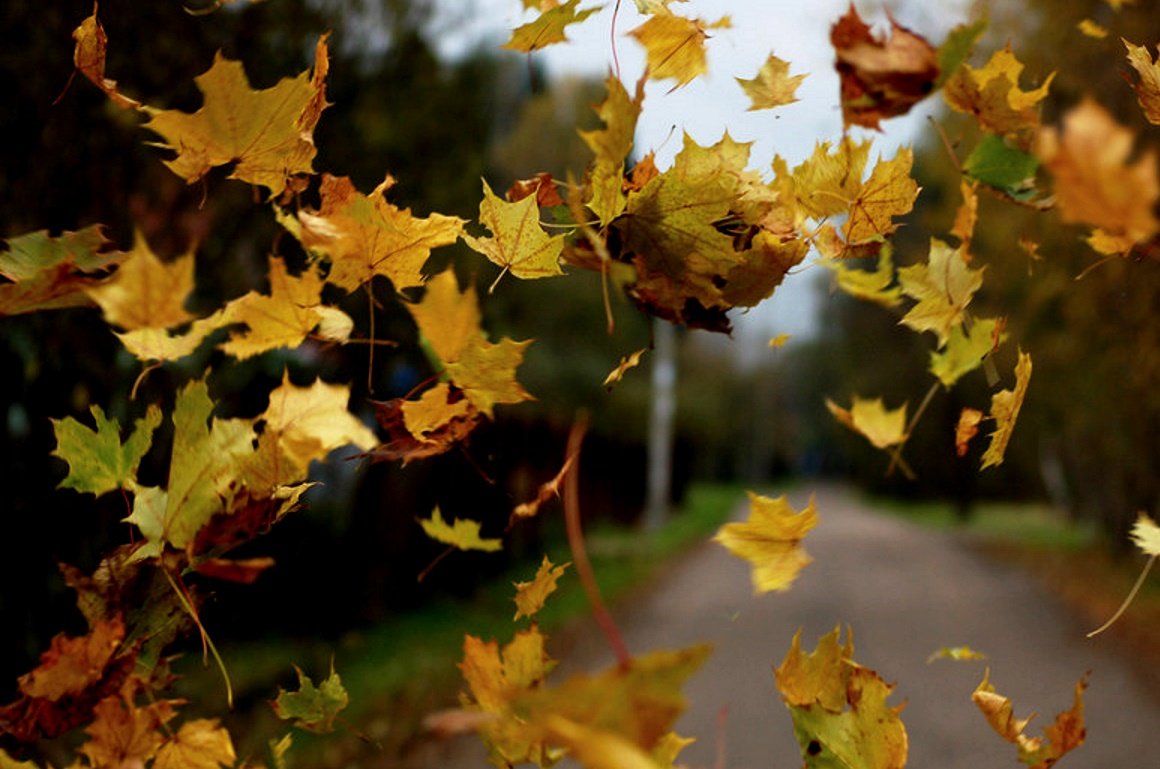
(870,418)
(675,45)
(266,134)
(549,27)
(773,86)
(98,461)
(1005,406)
(364,236)
(518,242)
(771,540)
(944,286)
(1064,735)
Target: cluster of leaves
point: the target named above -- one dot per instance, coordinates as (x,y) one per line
(687,244)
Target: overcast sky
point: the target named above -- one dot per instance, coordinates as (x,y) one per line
(795,31)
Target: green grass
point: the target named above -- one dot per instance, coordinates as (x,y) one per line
(401,669)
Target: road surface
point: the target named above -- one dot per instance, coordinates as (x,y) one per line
(905,592)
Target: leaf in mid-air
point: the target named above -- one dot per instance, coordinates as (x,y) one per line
(839,710)
(1148,87)
(880,77)
(124,734)
(875,285)
(992,94)
(966,428)
(146,292)
(266,134)
(89,58)
(771,540)
(202,743)
(889,192)
(1095,183)
(675,45)
(460,534)
(52,273)
(313,708)
(1005,406)
(1065,734)
(72,665)
(828,182)
(964,352)
(486,372)
(364,236)
(632,360)
(530,596)
(1003,167)
(957,46)
(773,86)
(547,491)
(870,418)
(611,145)
(549,27)
(944,286)
(518,243)
(98,461)
(448,318)
(957,653)
(1146,535)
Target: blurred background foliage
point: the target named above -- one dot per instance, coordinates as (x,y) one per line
(1087,438)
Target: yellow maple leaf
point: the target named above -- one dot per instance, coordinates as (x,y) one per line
(146,292)
(462,534)
(1148,87)
(992,94)
(956,653)
(530,596)
(1094,182)
(611,144)
(285,316)
(944,286)
(1092,29)
(267,134)
(770,539)
(434,412)
(1065,734)
(89,58)
(161,344)
(828,182)
(198,744)
(1146,535)
(486,373)
(595,748)
(889,192)
(518,243)
(627,362)
(124,734)
(675,45)
(964,352)
(870,418)
(447,318)
(548,27)
(875,285)
(310,422)
(773,86)
(364,236)
(1005,406)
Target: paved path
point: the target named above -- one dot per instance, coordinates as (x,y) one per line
(905,592)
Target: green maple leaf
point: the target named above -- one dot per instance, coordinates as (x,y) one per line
(1008,169)
(313,708)
(98,461)
(518,243)
(548,28)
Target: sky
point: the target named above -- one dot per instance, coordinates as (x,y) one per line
(795,31)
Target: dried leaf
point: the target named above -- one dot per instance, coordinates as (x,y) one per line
(1005,406)
(1148,87)
(627,362)
(518,243)
(992,94)
(530,596)
(966,429)
(773,86)
(1065,734)
(198,744)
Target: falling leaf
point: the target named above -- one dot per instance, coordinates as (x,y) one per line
(626,362)
(72,665)
(870,418)
(444,426)
(1094,182)
(486,372)
(966,429)
(1091,29)
(89,58)
(1146,535)
(437,408)
(875,285)
(199,744)
(547,491)
(992,94)
(447,318)
(675,45)
(839,710)
(957,653)
(1003,167)
(773,86)
(957,46)
(461,534)
(313,708)
(518,243)
(612,144)
(964,352)
(146,292)
(123,734)
(530,596)
(266,134)
(779,340)
(1148,87)
(890,191)
(98,461)
(881,77)
(549,27)
(1005,406)
(162,344)
(363,236)
(966,216)
(944,286)
(770,539)
(828,182)
(1065,734)
(595,748)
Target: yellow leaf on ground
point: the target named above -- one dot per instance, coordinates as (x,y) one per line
(1065,734)
(461,534)
(530,596)
(518,242)
(198,744)
(1148,87)
(266,134)
(870,418)
(1005,406)
(675,45)
(771,540)
(773,86)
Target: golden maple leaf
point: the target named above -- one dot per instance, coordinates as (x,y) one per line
(611,144)
(773,86)
(364,236)
(486,373)
(992,94)
(965,351)
(890,191)
(828,182)
(1005,406)
(1146,535)
(530,596)
(124,734)
(447,318)
(199,744)
(675,45)
(267,134)
(771,540)
(875,285)
(1065,734)
(944,286)
(461,534)
(549,26)
(1148,87)
(146,292)
(870,418)
(518,243)
(430,418)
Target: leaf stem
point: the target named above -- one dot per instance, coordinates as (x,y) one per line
(1127,601)
(896,459)
(206,641)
